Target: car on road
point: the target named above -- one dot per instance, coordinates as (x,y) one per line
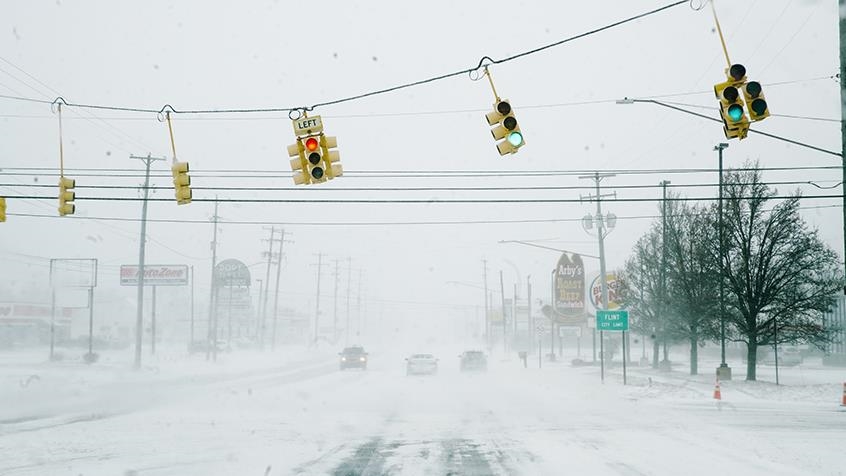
(353,357)
(421,364)
(473,360)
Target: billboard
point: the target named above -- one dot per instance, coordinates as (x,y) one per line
(230,273)
(14,310)
(615,291)
(569,300)
(155,275)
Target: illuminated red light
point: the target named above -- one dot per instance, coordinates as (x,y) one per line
(311,144)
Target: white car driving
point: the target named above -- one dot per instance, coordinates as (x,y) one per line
(421,364)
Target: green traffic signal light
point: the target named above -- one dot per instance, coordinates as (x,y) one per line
(735,112)
(515,138)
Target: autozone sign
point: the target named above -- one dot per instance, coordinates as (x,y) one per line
(155,275)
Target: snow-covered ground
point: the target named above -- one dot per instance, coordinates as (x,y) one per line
(295,413)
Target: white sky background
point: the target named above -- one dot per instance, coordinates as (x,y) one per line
(278,54)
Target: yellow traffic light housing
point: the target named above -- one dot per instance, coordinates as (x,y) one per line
(181,183)
(755,101)
(331,156)
(505,130)
(2,209)
(298,163)
(313,157)
(735,122)
(66,196)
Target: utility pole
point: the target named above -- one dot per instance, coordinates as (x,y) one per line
(259,337)
(842,76)
(514,313)
(600,233)
(488,326)
(662,318)
(347,326)
(724,371)
(263,319)
(276,292)
(531,320)
(142,249)
(211,347)
(358,304)
(191,342)
(335,311)
(504,320)
(317,299)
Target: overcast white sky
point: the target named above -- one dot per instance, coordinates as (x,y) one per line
(195,54)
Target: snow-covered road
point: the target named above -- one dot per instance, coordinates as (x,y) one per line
(309,418)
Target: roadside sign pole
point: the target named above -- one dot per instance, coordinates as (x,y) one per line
(153,326)
(775,345)
(624,357)
(90,320)
(614,321)
(602,355)
(540,353)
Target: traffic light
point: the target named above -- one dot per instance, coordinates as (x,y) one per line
(298,162)
(181,183)
(755,101)
(66,196)
(333,157)
(735,122)
(313,160)
(2,209)
(505,129)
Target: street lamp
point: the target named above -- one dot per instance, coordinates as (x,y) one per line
(723,371)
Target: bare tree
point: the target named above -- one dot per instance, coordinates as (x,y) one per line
(775,269)
(693,277)
(643,288)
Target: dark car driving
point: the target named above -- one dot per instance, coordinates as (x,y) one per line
(473,360)
(353,357)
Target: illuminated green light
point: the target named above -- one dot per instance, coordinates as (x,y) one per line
(515,139)
(735,112)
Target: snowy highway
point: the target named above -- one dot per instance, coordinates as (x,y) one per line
(309,418)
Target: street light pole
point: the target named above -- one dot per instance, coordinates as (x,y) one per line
(723,371)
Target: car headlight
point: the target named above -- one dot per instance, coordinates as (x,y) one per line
(343,359)
(363,359)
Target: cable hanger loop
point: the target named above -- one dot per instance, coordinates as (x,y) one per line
(478,72)
(701,5)
(163,114)
(57,102)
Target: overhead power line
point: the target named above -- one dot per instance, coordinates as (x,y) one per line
(274,174)
(408,201)
(439,112)
(422,189)
(485,61)
(357,223)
